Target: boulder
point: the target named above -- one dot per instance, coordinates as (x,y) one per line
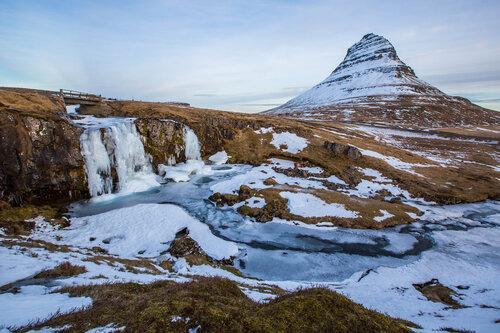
(184,246)
(340,149)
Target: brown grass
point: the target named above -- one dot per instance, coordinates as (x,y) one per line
(436,292)
(135,266)
(218,305)
(65,269)
(13,218)
(276,206)
(30,101)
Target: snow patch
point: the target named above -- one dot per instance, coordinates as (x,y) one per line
(385,215)
(219,158)
(308,205)
(35,302)
(294,144)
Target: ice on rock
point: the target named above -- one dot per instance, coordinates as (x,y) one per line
(192,149)
(97,163)
(71,109)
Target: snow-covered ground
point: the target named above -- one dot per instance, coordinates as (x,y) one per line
(458,245)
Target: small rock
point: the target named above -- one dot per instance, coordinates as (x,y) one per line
(270,182)
(184,246)
(244,193)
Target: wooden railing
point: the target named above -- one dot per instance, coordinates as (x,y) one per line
(79,96)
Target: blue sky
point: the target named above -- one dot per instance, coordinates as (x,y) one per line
(240,55)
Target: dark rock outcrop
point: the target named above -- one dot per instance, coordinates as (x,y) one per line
(162,140)
(41,159)
(340,149)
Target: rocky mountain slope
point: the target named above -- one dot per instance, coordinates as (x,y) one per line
(373,85)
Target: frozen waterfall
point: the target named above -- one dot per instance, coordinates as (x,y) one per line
(192,150)
(119,149)
(194,164)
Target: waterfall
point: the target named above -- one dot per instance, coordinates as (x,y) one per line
(97,163)
(192,145)
(181,172)
(119,148)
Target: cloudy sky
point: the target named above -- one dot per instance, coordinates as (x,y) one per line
(240,55)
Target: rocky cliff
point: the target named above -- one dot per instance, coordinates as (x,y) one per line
(40,151)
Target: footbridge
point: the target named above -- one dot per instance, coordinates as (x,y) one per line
(72,97)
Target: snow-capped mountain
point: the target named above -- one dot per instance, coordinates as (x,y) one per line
(373,84)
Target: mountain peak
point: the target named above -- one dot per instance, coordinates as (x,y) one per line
(372,77)
(371,53)
(371,67)
(371,44)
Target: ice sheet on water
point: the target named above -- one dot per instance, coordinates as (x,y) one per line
(460,258)
(141,230)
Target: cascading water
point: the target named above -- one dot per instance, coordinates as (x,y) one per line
(192,145)
(194,164)
(117,147)
(97,163)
